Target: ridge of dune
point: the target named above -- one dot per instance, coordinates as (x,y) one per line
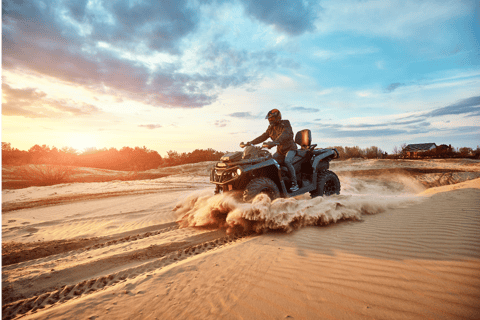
(475,183)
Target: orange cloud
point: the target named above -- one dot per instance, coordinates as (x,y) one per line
(31,103)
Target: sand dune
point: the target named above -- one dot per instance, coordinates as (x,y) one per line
(388,247)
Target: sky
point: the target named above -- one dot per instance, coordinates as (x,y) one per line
(184,75)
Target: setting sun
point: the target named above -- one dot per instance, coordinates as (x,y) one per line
(80,142)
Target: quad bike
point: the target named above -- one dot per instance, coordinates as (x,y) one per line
(254,171)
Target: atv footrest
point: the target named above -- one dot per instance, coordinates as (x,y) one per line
(307,187)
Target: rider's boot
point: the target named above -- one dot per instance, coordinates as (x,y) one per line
(293,177)
(294,187)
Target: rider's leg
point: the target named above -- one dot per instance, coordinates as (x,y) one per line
(280,158)
(288,163)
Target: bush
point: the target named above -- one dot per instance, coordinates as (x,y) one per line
(44,175)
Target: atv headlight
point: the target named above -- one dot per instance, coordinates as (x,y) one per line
(239,171)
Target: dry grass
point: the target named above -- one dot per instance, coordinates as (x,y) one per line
(42,175)
(17,177)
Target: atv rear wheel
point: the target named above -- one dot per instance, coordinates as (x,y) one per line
(327,184)
(260,185)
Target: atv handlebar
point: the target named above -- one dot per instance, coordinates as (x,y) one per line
(264,145)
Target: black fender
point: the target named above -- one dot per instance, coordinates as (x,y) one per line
(321,161)
(274,167)
(324,155)
(268,163)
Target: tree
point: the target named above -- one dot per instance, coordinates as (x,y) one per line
(6,147)
(403,148)
(39,154)
(373,152)
(395,150)
(353,152)
(465,152)
(69,150)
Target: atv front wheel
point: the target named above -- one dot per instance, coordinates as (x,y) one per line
(327,184)
(260,185)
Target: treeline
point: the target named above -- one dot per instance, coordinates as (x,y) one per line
(141,159)
(439,152)
(357,152)
(127,159)
(442,151)
(174,158)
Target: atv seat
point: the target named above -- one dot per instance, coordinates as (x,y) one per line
(304,139)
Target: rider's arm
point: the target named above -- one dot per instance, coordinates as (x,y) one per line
(261,138)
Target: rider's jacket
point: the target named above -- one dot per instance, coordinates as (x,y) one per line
(280,132)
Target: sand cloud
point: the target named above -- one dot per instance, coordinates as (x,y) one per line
(202,209)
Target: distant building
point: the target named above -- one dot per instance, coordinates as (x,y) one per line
(413,150)
(444,149)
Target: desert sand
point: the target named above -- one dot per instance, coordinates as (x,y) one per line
(401,241)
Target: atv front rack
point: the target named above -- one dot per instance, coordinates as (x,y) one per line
(244,161)
(223,176)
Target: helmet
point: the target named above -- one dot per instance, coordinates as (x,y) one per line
(274,116)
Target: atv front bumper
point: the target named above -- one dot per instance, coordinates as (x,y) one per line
(224,176)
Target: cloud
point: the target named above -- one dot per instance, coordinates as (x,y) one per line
(134,50)
(31,103)
(380,65)
(344,53)
(392,18)
(389,124)
(366,130)
(158,25)
(239,132)
(150,126)
(293,17)
(364,94)
(221,123)
(469,105)
(393,86)
(246,115)
(473,130)
(339,132)
(303,109)
(335,133)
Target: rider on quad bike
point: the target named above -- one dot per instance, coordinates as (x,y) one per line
(280,131)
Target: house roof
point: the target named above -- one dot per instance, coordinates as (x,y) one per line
(420,147)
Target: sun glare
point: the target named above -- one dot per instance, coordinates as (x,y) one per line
(80,142)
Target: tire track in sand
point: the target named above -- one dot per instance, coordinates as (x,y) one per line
(22,254)
(147,260)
